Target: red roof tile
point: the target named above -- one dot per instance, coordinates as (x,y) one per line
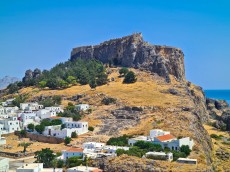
(165,137)
(55,117)
(75,150)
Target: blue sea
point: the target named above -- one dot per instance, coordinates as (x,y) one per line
(218,94)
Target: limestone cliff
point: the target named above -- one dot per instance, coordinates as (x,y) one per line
(133,51)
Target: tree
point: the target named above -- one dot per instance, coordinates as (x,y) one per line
(74,134)
(120,152)
(130,77)
(90,128)
(40,128)
(20,99)
(73,161)
(45,156)
(53,83)
(63,126)
(118,141)
(30,126)
(13,88)
(185,149)
(67,140)
(56,122)
(148,146)
(22,133)
(60,163)
(71,80)
(123,71)
(57,99)
(63,84)
(24,145)
(92,83)
(42,84)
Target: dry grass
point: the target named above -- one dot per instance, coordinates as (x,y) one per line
(220,164)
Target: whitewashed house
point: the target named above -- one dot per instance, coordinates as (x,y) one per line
(71,152)
(30,106)
(84,169)
(56,109)
(81,127)
(36,167)
(27,118)
(132,141)
(45,113)
(11,110)
(4,164)
(164,138)
(93,145)
(4,116)
(81,107)
(187,161)
(113,149)
(10,101)
(10,125)
(56,131)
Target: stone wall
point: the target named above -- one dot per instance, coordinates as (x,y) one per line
(133,51)
(41,138)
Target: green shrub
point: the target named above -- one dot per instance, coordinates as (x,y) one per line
(118,141)
(123,71)
(108,100)
(130,77)
(91,128)
(185,149)
(74,135)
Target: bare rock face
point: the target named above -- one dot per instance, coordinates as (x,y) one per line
(133,51)
(29,74)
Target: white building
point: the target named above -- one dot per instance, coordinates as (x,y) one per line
(113,149)
(36,167)
(81,107)
(93,145)
(132,141)
(71,152)
(159,156)
(187,161)
(164,138)
(84,169)
(82,126)
(4,164)
(56,109)
(9,125)
(11,110)
(30,106)
(45,113)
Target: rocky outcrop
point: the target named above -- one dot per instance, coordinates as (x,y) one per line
(133,51)
(29,75)
(220,111)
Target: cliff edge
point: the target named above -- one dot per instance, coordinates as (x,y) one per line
(133,51)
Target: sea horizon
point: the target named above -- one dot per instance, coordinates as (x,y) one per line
(219,94)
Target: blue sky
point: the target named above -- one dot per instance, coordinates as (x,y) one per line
(41,33)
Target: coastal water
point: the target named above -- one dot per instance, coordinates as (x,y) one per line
(218,94)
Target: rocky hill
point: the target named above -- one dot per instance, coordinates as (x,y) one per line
(161,98)
(4,82)
(133,51)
